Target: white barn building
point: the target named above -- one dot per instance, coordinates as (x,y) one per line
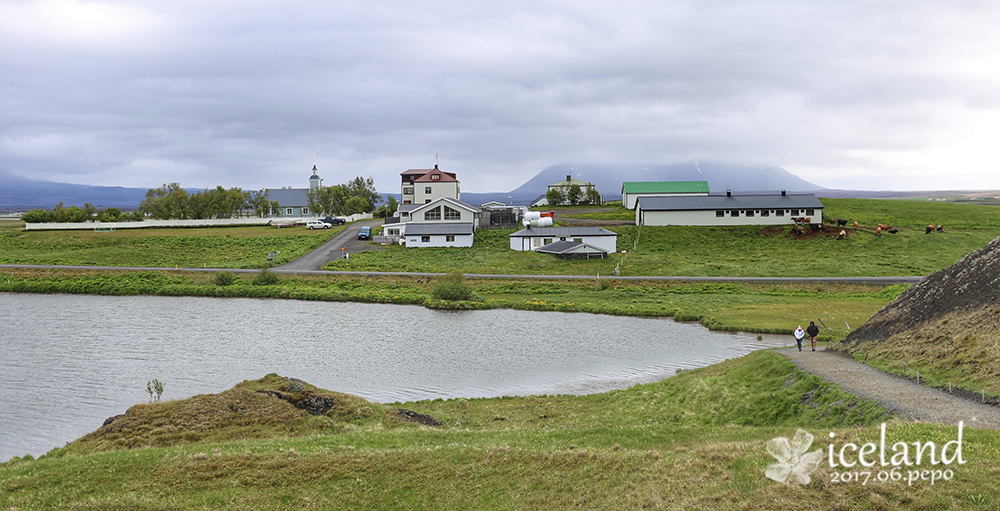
(729,209)
(531,238)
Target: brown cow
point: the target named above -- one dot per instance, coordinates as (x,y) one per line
(855,225)
(885,227)
(842,234)
(930,228)
(878,230)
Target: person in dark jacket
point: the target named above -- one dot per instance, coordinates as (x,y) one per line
(813,331)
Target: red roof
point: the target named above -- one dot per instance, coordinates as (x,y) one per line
(442,177)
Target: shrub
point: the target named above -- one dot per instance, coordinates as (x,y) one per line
(452,287)
(266,277)
(224,278)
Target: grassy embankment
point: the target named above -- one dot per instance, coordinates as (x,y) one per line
(693,441)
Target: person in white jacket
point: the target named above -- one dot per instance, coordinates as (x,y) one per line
(799,335)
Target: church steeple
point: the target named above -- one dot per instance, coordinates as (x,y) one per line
(314,181)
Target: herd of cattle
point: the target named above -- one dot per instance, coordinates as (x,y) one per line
(878,229)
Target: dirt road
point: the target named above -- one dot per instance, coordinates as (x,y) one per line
(900,397)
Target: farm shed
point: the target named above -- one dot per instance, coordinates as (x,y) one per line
(631,191)
(445,234)
(572,250)
(729,209)
(532,238)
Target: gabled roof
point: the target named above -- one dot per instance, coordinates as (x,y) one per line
(571,182)
(428,228)
(562,231)
(289,197)
(665,187)
(570,247)
(450,201)
(723,201)
(442,177)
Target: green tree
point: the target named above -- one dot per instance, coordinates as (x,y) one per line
(365,190)
(111,214)
(593,196)
(166,202)
(554,196)
(573,194)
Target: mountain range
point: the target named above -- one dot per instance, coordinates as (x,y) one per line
(18,193)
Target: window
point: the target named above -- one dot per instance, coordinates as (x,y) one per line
(427,189)
(274,211)
(450,238)
(765,212)
(288,211)
(809,212)
(749,212)
(305,211)
(734,212)
(548,240)
(779,212)
(452,214)
(578,240)
(563,238)
(719,213)
(536,242)
(425,239)
(435,177)
(433,214)
(427,201)
(408,191)
(795,212)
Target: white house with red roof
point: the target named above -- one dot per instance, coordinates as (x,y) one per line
(421,186)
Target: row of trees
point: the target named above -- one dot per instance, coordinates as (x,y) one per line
(573,195)
(170,201)
(61,213)
(356,196)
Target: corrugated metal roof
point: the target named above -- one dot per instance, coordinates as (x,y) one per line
(562,231)
(665,187)
(568,247)
(289,197)
(418,229)
(723,202)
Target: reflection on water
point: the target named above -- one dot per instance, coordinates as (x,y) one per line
(71,361)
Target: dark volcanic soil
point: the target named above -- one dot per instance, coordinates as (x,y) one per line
(970,285)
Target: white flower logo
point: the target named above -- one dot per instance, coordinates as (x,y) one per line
(794,464)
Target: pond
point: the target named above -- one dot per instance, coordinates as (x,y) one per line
(70,361)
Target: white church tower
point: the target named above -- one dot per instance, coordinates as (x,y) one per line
(314,181)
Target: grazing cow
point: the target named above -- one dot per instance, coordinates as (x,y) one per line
(798,219)
(929,229)
(841,223)
(842,234)
(878,231)
(893,231)
(940,228)
(855,225)
(885,227)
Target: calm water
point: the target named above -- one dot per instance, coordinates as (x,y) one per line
(68,362)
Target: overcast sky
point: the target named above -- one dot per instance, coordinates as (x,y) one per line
(870,95)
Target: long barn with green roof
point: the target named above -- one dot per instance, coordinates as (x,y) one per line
(631,191)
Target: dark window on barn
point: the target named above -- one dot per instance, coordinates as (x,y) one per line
(795,212)
(810,212)
(450,238)
(425,239)
(749,212)
(720,213)
(765,212)
(779,212)
(734,212)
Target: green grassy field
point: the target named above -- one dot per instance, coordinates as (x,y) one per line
(697,440)
(213,247)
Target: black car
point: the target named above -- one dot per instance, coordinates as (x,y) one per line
(332,220)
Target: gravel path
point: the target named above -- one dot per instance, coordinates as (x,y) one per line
(900,397)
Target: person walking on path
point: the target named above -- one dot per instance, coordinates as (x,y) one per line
(799,334)
(813,331)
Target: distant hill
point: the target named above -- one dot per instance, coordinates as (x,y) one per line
(608,179)
(27,193)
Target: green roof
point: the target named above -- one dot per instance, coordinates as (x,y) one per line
(666,187)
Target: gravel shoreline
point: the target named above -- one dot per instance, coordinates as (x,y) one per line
(898,396)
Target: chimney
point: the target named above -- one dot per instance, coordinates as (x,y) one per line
(729,192)
(782,192)
(435,166)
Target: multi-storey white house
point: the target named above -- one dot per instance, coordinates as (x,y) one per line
(420,186)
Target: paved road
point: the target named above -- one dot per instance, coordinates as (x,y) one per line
(331,250)
(900,397)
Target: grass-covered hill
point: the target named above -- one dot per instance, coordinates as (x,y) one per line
(696,440)
(947,326)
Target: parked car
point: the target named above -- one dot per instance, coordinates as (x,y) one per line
(332,220)
(317,224)
(365,233)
